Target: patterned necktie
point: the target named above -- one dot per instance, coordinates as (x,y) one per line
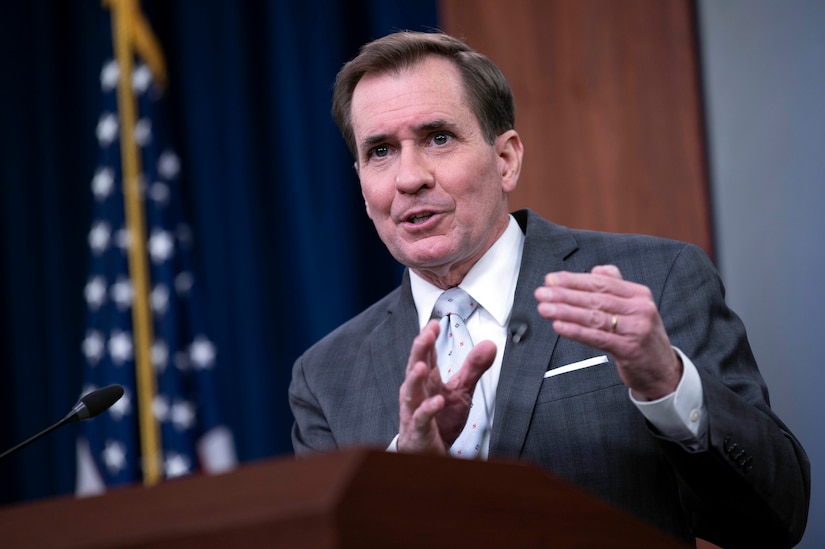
(453,308)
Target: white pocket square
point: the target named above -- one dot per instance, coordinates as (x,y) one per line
(587,363)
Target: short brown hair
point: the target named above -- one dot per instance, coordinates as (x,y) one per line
(487,90)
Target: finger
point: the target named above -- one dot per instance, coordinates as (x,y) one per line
(423,347)
(607,270)
(424,416)
(587,317)
(605,280)
(599,338)
(413,390)
(625,336)
(419,433)
(584,300)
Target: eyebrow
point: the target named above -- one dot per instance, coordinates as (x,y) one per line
(431,126)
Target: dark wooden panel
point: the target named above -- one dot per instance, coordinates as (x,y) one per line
(356,498)
(608,105)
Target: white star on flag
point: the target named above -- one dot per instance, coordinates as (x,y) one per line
(159,299)
(143,132)
(99,237)
(168,165)
(107,128)
(122,293)
(161,246)
(160,355)
(120,347)
(176,465)
(93,346)
(183,283)
(183,415)
(109,75)
(202,353)
(103,183)
(141,78)
(159,193)
(114,456)
(160,406)
(95,292)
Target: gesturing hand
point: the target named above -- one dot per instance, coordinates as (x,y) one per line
(433,413)
(604,311)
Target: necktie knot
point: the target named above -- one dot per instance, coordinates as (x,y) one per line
(455,301)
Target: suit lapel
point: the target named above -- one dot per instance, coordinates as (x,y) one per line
(388,348)
(546,246)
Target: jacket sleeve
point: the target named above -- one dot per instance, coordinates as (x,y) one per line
(751,486)
(310,430)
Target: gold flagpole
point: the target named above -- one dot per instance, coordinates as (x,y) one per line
(131,35)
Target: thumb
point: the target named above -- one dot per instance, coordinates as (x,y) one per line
(478,361)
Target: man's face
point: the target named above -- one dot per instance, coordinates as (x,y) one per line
(434,188)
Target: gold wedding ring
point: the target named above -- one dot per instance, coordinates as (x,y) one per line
(614,322)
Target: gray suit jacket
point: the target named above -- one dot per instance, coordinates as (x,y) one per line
(750,488)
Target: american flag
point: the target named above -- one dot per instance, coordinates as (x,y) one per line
(192,435)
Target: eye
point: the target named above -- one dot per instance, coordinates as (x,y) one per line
(441,139)
(380,151)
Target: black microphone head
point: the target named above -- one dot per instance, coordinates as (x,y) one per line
(101,400)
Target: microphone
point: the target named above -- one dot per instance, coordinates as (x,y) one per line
(94,403)
(517,328)
(87,407)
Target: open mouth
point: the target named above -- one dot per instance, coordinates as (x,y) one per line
(419,218)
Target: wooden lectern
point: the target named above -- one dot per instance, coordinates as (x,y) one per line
(356,498)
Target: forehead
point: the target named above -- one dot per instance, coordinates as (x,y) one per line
(389,102)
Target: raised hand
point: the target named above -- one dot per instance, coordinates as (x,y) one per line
(604,311)
(433,413)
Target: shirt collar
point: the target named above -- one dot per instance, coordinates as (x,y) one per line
(491,281)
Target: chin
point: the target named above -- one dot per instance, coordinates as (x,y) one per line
(427,253)
(424,261)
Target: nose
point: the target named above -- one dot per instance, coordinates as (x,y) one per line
(414,173)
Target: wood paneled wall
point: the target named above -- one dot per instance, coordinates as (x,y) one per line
(608,105)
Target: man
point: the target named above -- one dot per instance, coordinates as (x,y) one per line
(610,360)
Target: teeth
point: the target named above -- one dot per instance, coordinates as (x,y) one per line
(418,218)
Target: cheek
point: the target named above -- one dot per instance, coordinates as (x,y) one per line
(479,190)
(377,202)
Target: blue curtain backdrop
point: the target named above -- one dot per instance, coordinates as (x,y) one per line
(284,250)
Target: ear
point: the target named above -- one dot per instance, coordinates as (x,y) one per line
(366,204)
(510,151)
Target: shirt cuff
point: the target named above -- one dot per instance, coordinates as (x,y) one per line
(680,416)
